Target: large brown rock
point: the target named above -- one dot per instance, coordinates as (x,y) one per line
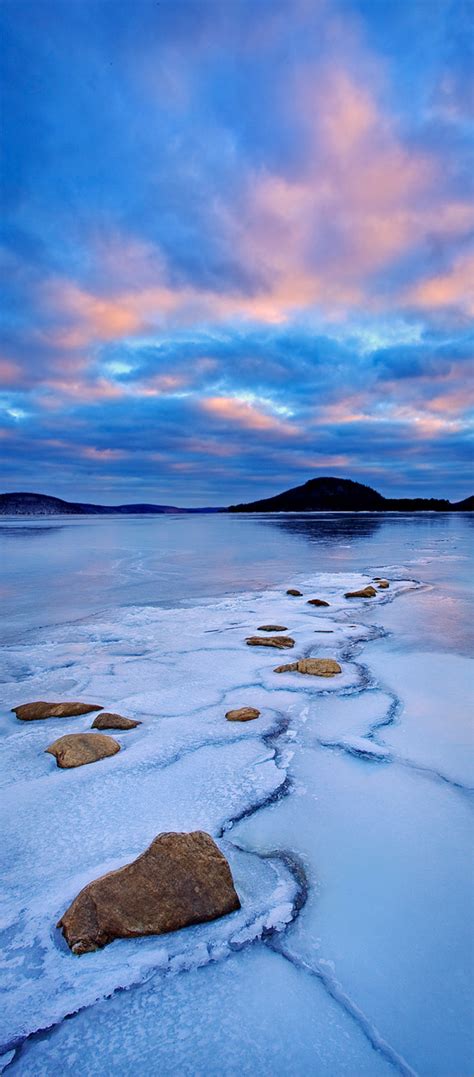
(180,879)
(318,667)
(270,641)
(77,749)
(31,712)
(272,628)
(364,592)
(293,591)
(243,714)
(106,720)
(317,602)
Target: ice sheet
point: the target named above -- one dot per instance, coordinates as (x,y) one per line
(341,798)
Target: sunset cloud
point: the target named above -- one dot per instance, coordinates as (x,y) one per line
(273,249)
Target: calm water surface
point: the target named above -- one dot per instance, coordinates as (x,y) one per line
(56,569)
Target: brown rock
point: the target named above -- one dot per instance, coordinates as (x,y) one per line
(30,712)
(243,714)
(272,628)
(270,641)
(113,721)
(318,667)
(383,584)
(365,592)
(317,602)
(180,879)
(77,749)
(293,591)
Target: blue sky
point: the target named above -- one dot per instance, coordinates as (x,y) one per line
(238,247)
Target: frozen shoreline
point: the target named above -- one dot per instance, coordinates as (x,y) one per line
(187,768)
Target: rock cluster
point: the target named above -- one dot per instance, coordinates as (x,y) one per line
(77,749)
(113,721)
(31,712)
(243,714)
(317,667)
(270,641)
(180,879)
(364,592)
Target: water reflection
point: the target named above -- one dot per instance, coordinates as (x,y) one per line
(323,529)
(20,530)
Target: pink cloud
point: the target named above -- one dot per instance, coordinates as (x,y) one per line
(234,411)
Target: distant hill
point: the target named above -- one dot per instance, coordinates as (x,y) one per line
(28,504)
(342,495)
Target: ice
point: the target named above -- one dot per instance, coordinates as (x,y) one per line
(390,891)
(338,812)
(436,692)
(252,1013)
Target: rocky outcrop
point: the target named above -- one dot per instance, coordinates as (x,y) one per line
(293,591)
(317,667)
(77,749)
(317,602)
(382,585)
(270,641)
(272,628)
(31,712)
(364,592)
(180,879)
(243,714)
(113,721)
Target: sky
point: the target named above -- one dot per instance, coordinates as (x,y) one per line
(237,247)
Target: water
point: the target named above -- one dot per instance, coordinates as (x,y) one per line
(352,953)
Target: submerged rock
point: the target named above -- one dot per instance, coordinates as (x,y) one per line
(317,667)
(113,721)
(382,584)
(272,628)
(31,712)
(270,641)
(365,592)
(77,749)
(180,879)
(243,714)
(317,602)
(293,591)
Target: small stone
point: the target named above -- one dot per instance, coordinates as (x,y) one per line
(243,714)
(317,602)
(270,641)
(77,749)
(365,592)
(383,584)
(317,667)
(180,879)
(272,628)
(293,591)
(113,721)
(31,712)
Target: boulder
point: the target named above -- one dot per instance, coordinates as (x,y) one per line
(31,712)
(382,585)
(113,721)
(317,667)
(77,749)
(365,592)
(180,879)
(270,641)
(317,602)
(243,714)
(293,591)
(272,628)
